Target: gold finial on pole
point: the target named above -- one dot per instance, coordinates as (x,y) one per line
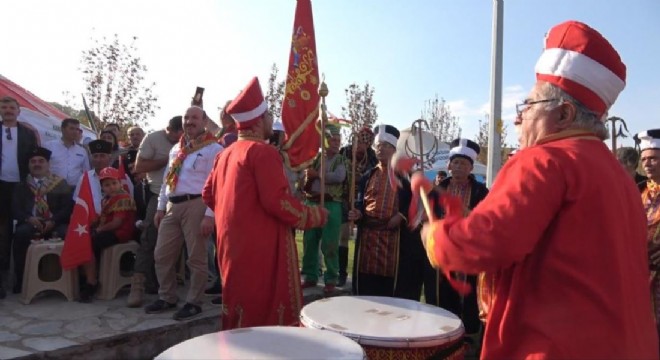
(323,92)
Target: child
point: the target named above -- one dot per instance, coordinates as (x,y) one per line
(114,226)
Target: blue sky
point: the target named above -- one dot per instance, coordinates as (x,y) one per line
(408,50)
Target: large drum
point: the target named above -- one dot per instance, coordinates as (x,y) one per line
(267,343)
(390,328)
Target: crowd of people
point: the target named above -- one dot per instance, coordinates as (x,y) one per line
(561,254)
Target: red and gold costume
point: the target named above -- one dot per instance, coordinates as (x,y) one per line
(379,246)
(254,214)
(122,206)
(565,255)
(651,201)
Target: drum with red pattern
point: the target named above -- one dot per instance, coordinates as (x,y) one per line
(390,328)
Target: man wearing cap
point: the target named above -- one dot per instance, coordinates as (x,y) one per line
(461,183)
(327,236)
(650,157)
(365,159)
(152,158)
(380,221)
(182,217)
(254,214)
(41,206)
(69,159)
(101,156)
(560,214)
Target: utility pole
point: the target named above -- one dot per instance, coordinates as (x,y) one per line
(494,135)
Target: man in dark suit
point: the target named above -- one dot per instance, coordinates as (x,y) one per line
(16,141)
(42,204)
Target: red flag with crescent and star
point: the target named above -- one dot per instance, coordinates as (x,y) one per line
(300,107)
(77,248)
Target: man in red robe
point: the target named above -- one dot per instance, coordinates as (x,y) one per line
(562,234)
(254,214)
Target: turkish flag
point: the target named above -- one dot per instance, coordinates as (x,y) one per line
(77,248)
(300,107)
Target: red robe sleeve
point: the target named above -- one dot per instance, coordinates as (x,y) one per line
(508,223)
(275,195)
(209,185)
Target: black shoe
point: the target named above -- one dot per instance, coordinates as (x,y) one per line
(158,307)
(87,292)
(188,311)
(341,281)
(3,293)
(214,290)
(217,301)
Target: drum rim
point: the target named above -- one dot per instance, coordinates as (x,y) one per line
(392,342)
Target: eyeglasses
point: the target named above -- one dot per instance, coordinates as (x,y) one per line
(8,132)
(521,108)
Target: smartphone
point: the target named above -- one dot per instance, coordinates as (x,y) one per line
(197,99)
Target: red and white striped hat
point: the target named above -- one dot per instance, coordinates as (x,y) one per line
(580,61)
(248,105)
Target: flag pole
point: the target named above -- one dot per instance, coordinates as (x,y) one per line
(323,92)
(495,119)
(89,116)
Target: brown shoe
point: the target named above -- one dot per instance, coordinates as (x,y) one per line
(308,284)
(329,288)
(136,296)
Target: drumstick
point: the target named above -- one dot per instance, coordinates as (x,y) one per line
(422,186)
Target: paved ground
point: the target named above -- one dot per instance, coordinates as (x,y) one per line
(50,324)
(52,327)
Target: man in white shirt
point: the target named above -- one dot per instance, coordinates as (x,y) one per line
(69,159)
(101,151)
(152,158)
(17,140)
(183,216)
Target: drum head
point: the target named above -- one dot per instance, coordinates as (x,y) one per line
(384,321)
(268,342)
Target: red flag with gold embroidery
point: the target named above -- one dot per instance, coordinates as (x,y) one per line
(77,248)
(300,108)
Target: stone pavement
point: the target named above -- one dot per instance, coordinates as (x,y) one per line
(53,328)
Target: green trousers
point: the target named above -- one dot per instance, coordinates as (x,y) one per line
(328,237)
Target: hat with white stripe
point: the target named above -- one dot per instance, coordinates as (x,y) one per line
(248,106)
(649,139)
(464,148)
(580,61)
(388,134)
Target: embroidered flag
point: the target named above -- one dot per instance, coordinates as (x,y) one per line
(300,107)
(77,248)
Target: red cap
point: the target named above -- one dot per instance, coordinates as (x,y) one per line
(580,61)
(108,173)
(248,105)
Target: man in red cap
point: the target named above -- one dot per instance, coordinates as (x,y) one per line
(254,213)
(564,256)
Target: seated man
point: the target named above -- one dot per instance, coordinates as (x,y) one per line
(114,226)
(41,206)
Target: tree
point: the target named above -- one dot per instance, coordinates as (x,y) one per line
(360,109)
(275,94)
(482,139)
(443,124)
(115,85)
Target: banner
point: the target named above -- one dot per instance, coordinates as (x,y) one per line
(300,108)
